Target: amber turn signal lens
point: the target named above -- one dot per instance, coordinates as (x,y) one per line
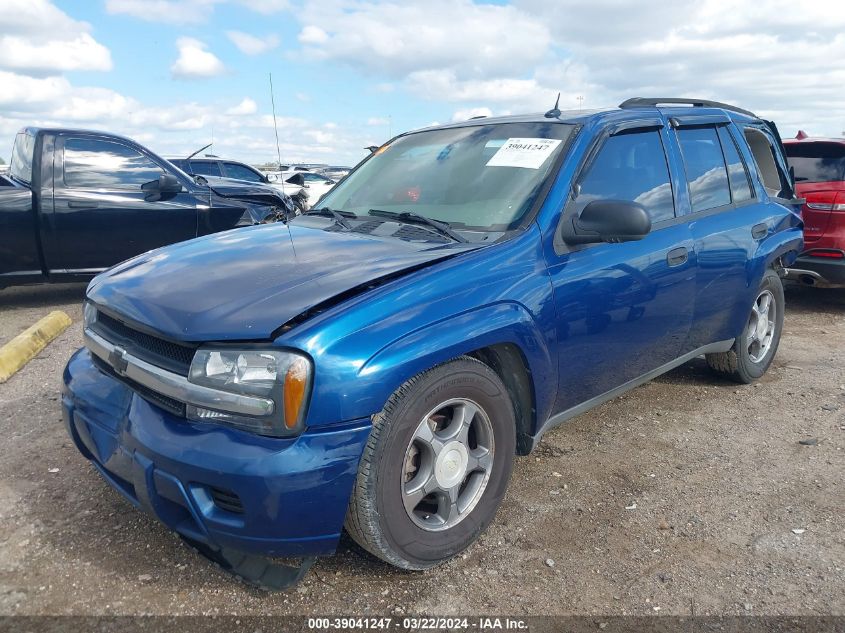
(296,382)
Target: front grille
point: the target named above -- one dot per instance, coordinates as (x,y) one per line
(160,400)
(227,500)
(171,356)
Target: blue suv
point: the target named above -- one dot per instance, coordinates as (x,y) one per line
(377,363)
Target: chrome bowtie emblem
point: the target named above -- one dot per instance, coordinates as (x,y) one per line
(117,359)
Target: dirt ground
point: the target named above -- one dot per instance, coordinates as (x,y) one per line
(688,496)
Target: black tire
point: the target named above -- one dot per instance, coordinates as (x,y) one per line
(377,519)
(737,363)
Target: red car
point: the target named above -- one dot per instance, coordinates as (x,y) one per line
(819,165)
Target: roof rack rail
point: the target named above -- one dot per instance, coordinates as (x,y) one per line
(642,102)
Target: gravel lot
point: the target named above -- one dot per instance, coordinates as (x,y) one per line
(686,496)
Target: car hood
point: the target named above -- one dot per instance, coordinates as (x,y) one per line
(246,283)
(243,190)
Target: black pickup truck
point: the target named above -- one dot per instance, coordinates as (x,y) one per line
(77,202)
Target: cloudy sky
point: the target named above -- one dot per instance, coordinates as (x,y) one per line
(172,73)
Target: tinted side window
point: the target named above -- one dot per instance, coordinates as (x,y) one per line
(631,167)
(705,166)
(737,173)
(234,170)
(201,168)
(816,162)
(96,164)
(181,163)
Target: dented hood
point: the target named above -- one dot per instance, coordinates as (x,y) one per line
(246,283)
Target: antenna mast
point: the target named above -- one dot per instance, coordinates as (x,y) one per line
(276,130)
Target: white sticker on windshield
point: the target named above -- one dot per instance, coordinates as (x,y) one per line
(524,152)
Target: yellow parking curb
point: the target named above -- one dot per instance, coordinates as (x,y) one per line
(26,345)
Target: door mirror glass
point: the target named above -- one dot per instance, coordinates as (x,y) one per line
(607,221)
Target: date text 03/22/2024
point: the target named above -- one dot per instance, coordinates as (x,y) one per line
(417,623)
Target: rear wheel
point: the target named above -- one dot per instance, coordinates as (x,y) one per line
(435,467)
(754,350)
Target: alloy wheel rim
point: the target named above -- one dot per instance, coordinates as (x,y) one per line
(761,326)
(447,464)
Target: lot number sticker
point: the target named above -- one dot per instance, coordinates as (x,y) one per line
(524,152)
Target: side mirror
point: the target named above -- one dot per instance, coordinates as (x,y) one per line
(167,184)
(607,221)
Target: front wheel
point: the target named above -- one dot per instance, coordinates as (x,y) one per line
(435,467)
(754,350)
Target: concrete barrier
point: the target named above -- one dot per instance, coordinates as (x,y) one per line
(26,345)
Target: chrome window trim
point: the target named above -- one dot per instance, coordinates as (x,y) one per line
(174,385)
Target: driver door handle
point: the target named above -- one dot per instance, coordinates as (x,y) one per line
(677,256)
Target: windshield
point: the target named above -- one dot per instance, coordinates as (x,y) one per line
(483,177)
(817,162)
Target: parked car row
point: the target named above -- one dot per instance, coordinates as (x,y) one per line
(304,186)
(376,364)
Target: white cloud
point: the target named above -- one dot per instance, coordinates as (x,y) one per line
(21,92)
(247,106)
(164,11)
(38,38)
(313,35)
(266,7)
(378,121)
(444,85)
(82,52)
(463,115)
(396,38)
(195,61)
(251,44)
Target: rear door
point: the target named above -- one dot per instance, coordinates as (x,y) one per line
(100,215)
(728,216)
(623,310)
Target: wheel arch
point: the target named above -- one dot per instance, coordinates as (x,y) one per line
(510,343)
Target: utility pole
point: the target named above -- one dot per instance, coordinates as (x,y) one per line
(580,102)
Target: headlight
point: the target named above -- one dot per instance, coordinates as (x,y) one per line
(283,377)
(89,315)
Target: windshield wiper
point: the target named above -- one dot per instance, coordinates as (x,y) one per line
(409,217)
(339,216)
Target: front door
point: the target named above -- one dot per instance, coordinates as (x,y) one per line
(100,215)
(623,310)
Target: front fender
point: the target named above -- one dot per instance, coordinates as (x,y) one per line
(505,322)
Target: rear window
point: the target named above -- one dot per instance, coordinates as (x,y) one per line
(817,162)
(21,163)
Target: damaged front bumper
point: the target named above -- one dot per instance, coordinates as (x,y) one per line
(224,490)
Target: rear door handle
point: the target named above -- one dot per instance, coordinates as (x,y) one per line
(759,231)
(677,256)
(82,205)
